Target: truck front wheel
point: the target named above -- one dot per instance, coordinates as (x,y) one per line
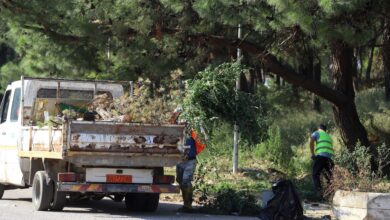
(1,190)
(42,191)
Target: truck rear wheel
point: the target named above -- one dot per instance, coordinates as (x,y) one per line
(118,198)
(1,190)
(58,200)
(97,197)
(152,201)
(134,201)
(42,191)
(145,202)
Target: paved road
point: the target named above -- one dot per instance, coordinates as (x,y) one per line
(16,205)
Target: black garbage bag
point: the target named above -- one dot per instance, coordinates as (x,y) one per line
(285,205)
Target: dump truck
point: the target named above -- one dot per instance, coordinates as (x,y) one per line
(71,158)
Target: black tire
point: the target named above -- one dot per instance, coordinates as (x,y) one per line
(152,201)
(58,199)
(42,191)
(135,202)
(97,197)
(118,198)
(1,190)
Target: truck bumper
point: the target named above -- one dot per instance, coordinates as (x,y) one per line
(117,188)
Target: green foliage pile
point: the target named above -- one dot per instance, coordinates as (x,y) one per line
(363,169)
(212,96)
(228,200)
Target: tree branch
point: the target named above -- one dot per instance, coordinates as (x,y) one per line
(267,59)
(57,36)
(277,67)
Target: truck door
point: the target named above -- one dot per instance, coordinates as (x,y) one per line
(10,171)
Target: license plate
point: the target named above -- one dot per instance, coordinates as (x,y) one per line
(112,178)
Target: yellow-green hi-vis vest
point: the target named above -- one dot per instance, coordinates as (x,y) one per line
(324,144)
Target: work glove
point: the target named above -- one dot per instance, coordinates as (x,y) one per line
(313,157)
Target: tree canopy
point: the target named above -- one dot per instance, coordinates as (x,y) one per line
(126,39)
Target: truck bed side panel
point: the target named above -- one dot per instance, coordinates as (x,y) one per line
(124,144)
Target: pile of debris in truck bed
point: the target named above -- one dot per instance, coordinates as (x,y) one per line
(138,107)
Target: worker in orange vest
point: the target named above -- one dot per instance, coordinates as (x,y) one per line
(185,170)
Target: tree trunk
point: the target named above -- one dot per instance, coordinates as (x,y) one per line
(278,81)
(317,78)
(6,54)
(245,85)
(259,75)
(345,115)
(295,92)
(356,83)
(361,64)
(386,59)
(369,65)
(250,78)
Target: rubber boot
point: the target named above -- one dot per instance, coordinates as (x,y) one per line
(187,199)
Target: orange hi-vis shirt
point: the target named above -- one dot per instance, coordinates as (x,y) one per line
(198,145)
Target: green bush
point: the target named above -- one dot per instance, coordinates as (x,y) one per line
(355,162)
(370,100)
(300,164)
(220,192)
(362,169)
(274,149)
(221,140)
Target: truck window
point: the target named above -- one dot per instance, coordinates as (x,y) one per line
(15,105)
(4,106)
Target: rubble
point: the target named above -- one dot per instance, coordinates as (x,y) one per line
(139,107)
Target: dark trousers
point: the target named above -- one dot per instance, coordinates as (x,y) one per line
(322,165)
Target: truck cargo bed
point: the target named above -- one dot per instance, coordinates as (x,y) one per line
(106,143)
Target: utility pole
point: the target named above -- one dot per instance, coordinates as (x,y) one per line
(236,128)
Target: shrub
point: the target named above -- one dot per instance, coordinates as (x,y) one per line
(274,149)
(370,100)
(354,170)
(220,192)
(221,140)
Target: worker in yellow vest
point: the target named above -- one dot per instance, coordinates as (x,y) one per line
(321,147)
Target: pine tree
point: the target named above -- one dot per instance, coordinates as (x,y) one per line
(124,39)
